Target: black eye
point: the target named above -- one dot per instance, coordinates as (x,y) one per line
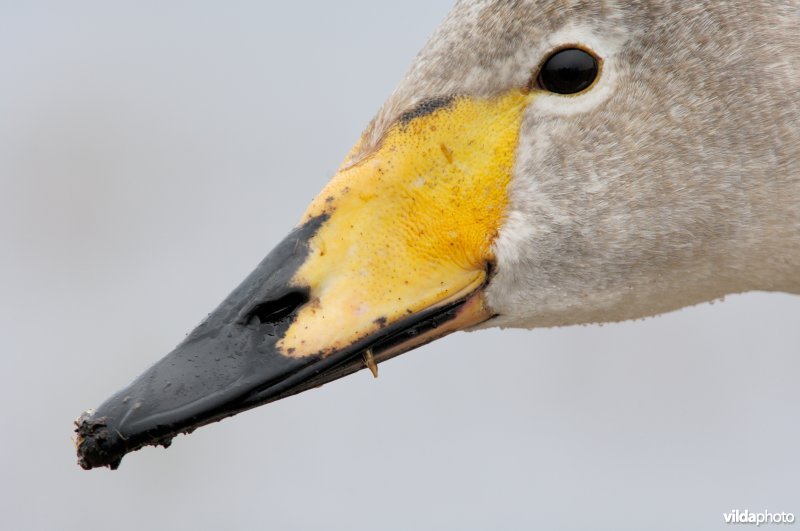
(568,71)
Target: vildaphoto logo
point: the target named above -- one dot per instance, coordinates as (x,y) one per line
(764,517)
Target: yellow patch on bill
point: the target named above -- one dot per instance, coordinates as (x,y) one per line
(411,225)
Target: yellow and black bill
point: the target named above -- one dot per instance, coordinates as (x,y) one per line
(395,252)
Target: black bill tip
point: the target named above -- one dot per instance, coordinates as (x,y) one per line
(228,357)
(100,445)
(92,443)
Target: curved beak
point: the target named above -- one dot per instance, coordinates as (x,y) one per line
(394,253)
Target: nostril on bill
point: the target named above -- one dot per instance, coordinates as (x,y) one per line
(276,310)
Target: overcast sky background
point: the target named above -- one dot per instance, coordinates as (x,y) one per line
(151,153)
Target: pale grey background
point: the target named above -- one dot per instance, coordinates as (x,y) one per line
(151,153)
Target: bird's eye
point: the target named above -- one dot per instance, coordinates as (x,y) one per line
(569,71)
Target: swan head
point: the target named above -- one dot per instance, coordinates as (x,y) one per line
(484,193)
